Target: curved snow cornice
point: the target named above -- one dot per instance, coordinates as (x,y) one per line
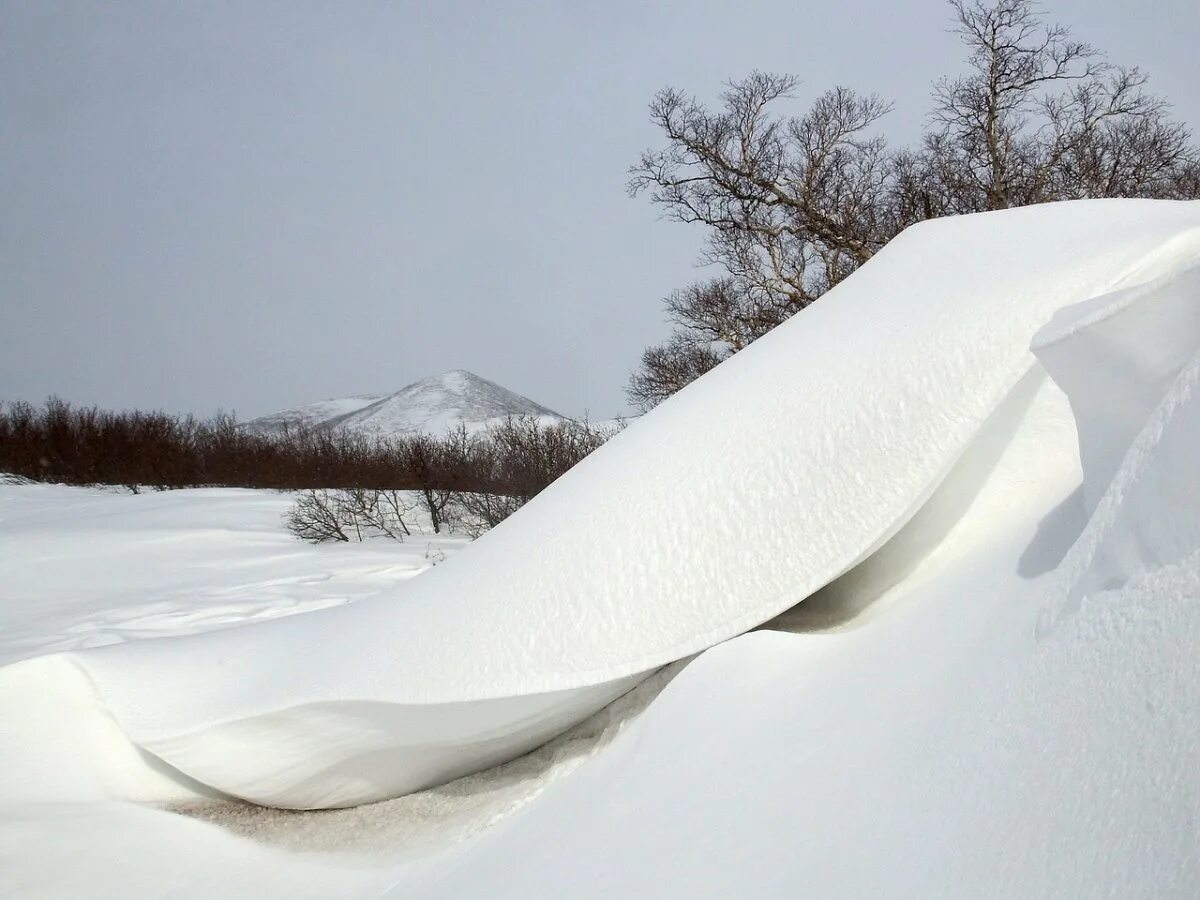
(742,495)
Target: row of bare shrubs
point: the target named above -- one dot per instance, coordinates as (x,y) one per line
(353,482)
(466,483)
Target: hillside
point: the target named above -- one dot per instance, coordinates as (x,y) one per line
(432,405)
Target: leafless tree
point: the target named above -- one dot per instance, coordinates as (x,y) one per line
(349,514)
(374,511)
(713,319)
(515,460)
(435,467)
(1041,116)
(793,204)
(318,516)
(480,511)
(670,367)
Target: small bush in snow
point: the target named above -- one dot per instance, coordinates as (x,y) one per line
(318,516)
(345,515)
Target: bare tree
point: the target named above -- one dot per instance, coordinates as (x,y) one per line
(317,516)
(515,460)
(376,512)
(713,319)
(350,513)
(1041,116)
(670,367)
(480,511)
(434,465)
(793,204)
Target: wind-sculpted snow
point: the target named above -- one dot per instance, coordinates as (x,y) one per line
(1116,355)
(1130,364)
(951,749)
(750,490)
(989,733)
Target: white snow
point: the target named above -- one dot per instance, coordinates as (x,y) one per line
(84,568)
(989,688)
(1116,355)
(433,405)
(986,736)
(312,415)
(584,591)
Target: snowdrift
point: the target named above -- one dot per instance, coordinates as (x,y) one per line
(993,733)
(776,474)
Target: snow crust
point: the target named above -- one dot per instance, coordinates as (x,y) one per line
(84,568)
(567,595)
(1116,355)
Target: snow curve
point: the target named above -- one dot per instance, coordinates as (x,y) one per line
(779,471)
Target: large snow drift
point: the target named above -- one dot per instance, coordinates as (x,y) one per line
(774,475)
(989,734)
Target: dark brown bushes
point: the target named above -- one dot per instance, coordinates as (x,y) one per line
(475,479)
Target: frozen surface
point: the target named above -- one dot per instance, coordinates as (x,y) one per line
(432,405)
(989,688)
(580,591)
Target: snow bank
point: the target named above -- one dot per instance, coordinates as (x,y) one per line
(1131,366)
(776,473)
(1151,519)
(956,747)
(1115,356)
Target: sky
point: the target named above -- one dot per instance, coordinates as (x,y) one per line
(245,206)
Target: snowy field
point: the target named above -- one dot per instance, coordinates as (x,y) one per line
(88,567)
(903,600)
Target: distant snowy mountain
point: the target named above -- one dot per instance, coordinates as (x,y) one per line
(312,415)
(432,405)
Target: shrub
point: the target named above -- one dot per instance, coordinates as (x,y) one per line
(353,486)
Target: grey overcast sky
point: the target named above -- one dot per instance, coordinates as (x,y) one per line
(253,204)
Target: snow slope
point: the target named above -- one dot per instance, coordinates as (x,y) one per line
(989,688)
(990,733)
(432,405)
(312,415)
(571,596)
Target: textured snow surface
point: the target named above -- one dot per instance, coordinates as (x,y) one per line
(432,405)
(85,568)
(815,456)
(990,734)
(1096,351)
(989,688)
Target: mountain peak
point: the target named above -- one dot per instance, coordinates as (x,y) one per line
(433,405)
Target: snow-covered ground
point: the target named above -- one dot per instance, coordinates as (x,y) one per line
(87,567)
(975,672)
(83,567)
